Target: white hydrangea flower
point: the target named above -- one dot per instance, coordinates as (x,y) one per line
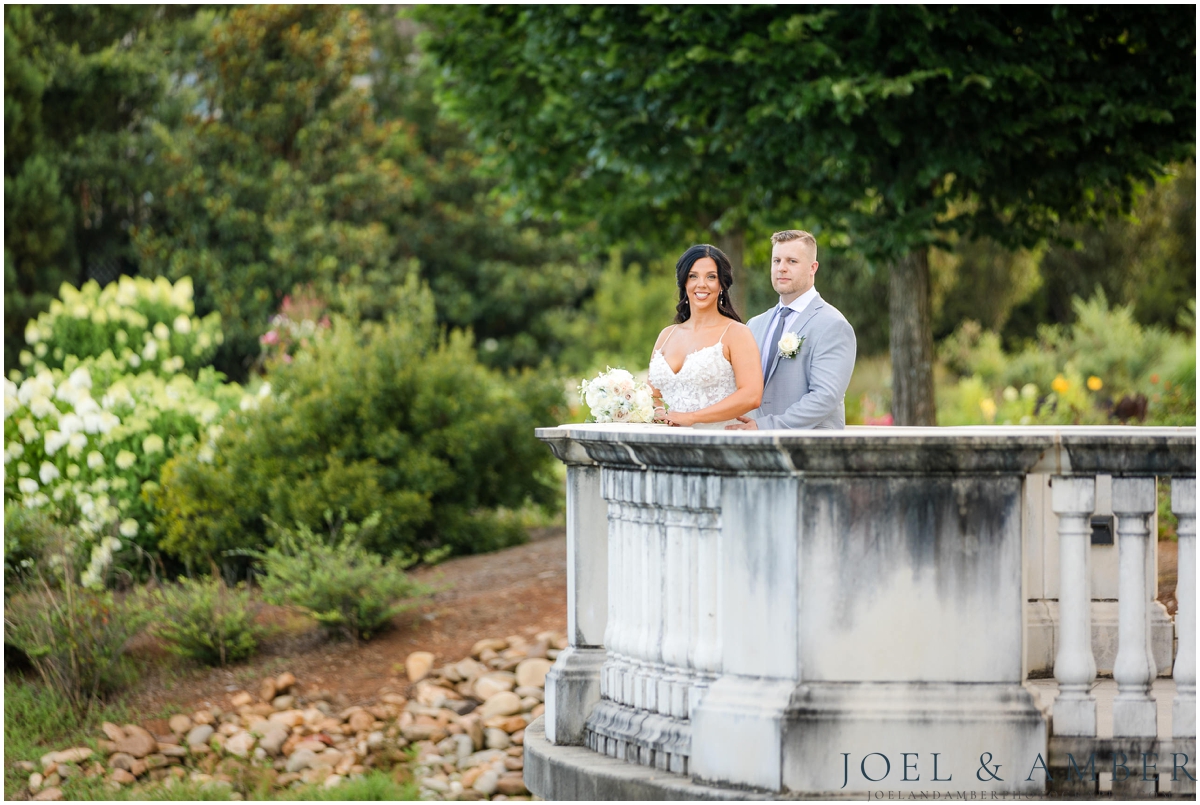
(95,460)
(152,444)
(150,351)
(129,528)
(28,486)
(23,468)
(32,333)
(182,324)
(134,360)
(78,441)
(106,421)
(11,402)
(81,378)
(48,472)
(72,472)
(205,455)
(125,460)
(43,407)
(70,423)
(248,403)
(55,441)
(264,390)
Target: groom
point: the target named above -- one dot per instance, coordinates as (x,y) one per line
(804,376)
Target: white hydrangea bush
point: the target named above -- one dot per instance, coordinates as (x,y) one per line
(86,440)
(148,325)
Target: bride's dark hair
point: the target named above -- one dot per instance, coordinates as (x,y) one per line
(724,276)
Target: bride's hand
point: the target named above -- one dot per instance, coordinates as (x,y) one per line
(680,419)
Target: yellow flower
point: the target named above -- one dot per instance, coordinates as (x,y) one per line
(1095,383)
(988,407)
(1060,384)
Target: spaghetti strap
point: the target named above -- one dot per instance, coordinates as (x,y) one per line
(668,338)
(722,338)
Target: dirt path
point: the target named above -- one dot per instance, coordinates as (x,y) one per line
(521,590)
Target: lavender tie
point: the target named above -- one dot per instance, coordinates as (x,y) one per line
(773,347)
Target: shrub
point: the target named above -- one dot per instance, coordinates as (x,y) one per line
(207,621)
(75,638)
(379,417)
(28,534)
(348,589)
(147,324)
(1073,375)
(85,438)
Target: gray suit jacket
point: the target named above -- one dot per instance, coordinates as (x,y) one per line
(809,390)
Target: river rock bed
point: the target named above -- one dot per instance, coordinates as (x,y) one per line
(458,729)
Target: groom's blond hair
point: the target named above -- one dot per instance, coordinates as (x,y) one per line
(796,234)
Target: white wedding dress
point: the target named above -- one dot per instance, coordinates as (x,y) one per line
(706,377)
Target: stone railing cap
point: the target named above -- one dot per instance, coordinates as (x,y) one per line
(1116,450)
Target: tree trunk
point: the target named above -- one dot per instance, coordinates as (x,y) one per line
(733,243)
(911,341)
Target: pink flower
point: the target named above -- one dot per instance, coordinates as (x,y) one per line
(287,358)
(886,419)
(270,337)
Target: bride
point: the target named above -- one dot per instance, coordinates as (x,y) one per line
(705,367)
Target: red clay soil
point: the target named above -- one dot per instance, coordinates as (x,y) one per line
(516,591)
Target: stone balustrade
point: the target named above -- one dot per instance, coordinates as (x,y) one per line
(825,612)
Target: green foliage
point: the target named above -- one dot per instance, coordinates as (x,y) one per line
(381,417)
(206,621)
(618,326)
(89,463)
(347,588)
(147,325)
(83,87)
(1074,374)
(28,535)
(39,719)
(1146,259)
(76,639)
(292,172)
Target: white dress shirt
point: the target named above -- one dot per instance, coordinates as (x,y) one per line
(797,306)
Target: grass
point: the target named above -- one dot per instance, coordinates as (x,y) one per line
(38,720)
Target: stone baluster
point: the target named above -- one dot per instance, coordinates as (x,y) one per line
(1073,500)
(672,690)
(573,686)
(1134,712)
(1183,504)
(706,654)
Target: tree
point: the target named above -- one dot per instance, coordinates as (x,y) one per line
(83,85)
(891,126)
(300,166)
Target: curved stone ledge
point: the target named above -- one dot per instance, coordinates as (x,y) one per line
(576,773)
(1118,450)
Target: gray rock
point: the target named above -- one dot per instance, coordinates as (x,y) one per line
(486,783)
(199,735)
(496,738)
(300,760)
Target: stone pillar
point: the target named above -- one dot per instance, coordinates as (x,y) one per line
(1183,504)
(573,684)
(757,566)
(1073,500)
(1134,712)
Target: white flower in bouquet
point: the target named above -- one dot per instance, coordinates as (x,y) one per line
(617,396)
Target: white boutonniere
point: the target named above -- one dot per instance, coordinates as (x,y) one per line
(789,345)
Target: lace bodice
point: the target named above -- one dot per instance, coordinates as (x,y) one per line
(706,377)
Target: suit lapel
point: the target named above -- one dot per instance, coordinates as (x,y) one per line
(796,325)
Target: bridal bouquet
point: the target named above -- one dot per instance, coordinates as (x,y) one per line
(616,396)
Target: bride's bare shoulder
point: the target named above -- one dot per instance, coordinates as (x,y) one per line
(664,334)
